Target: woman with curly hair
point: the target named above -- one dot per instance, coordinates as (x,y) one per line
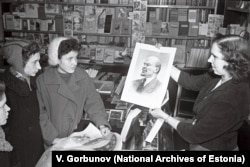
(223,101)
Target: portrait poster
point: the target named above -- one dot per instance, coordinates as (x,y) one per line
(152,93)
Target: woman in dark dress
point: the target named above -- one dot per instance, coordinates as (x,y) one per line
(223,101)
(23,128)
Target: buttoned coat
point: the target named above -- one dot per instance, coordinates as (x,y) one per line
(219,113)
(62,105)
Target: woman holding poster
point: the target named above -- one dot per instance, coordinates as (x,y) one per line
(223,102)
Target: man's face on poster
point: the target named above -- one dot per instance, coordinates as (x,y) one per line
(148,68)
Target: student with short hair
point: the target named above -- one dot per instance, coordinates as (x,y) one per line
(65,92)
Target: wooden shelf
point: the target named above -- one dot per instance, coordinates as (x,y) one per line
(30,31)
(177,37)
(68,3)
(238,10)
(180,7)
(75,33)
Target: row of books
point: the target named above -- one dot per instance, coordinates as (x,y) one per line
(198,58)
(75,18)
(12,22)
(101,54)
(172,29)
(185,28)
(208,3)
(175,15)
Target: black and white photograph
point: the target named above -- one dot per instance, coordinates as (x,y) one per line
(148,75)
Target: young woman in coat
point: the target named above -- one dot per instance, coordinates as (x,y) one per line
(223,102)
(65,92)
(23,128)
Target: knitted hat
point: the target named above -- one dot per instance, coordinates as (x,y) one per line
(12,51)
(53,50)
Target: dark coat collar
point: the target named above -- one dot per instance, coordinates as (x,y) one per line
(18,85)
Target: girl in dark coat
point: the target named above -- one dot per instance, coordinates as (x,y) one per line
(223,102)
(23,127)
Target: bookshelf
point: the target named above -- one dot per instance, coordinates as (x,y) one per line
(236,9)
(181,25)
(93,22)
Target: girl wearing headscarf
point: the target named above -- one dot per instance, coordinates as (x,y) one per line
(23,128)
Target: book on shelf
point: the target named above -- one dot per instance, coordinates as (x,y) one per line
(118,57)
(203,29)
(84,52)
(126,27)
(183,28)
(8,23)
(193,15)
(193,29)
(173,15)
(80,9)
(104,87)
(182,14)
(90,1)
(152,15)
(17,23)
(104,1)
(108,55)
(59,24)
(32,24)
(44,25)
(68,24)
(18,9)
(92,52)
(180,54)
(121,12)
(113,1)
(108,23)
(198,58)
(90,20)
(148,28)
(156,27)
(67,8)
(77,22)
(100,49)
(116,26)
(173,29)
(51,24)
(101,16)
(52,8)
(31,10)
(215,21)
(164,28)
